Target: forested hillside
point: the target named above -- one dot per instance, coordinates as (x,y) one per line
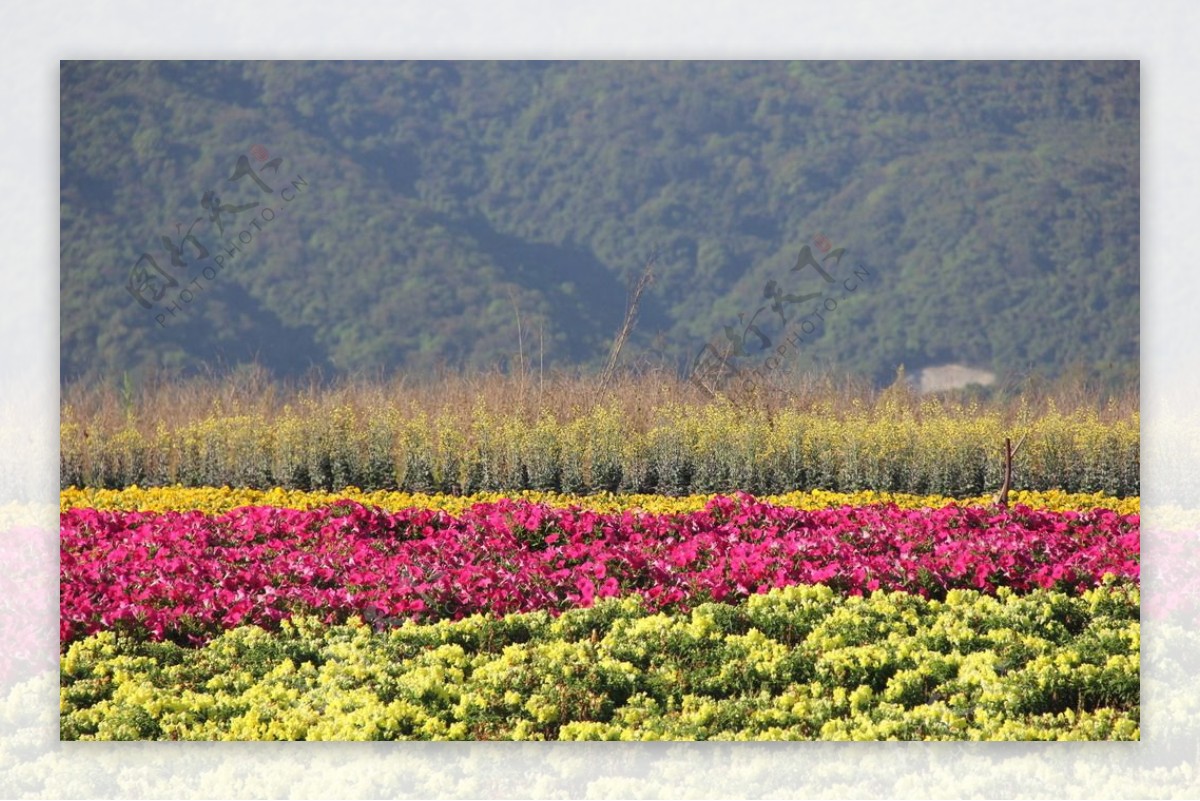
(420,210)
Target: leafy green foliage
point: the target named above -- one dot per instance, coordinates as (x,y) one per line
(994,203)
(796,663)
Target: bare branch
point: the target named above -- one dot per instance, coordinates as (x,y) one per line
(631,311)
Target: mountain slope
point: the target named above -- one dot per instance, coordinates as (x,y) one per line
(995,205)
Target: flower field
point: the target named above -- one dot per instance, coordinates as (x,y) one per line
(204,613)
(190,574)
(492,557)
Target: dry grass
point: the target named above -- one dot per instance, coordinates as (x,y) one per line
(565,396)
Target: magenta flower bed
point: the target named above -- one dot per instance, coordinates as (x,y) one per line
(190,575)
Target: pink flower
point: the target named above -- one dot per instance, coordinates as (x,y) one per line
(259,564)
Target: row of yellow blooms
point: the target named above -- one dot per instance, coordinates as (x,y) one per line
(214,500)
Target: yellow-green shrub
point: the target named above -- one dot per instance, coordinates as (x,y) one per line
(796,663)
(891,446)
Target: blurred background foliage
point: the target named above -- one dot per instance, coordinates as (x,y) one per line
(472,215)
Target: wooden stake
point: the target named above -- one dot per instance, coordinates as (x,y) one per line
(1001,498)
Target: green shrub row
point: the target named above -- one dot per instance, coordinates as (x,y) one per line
(797,663)
(717,448)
